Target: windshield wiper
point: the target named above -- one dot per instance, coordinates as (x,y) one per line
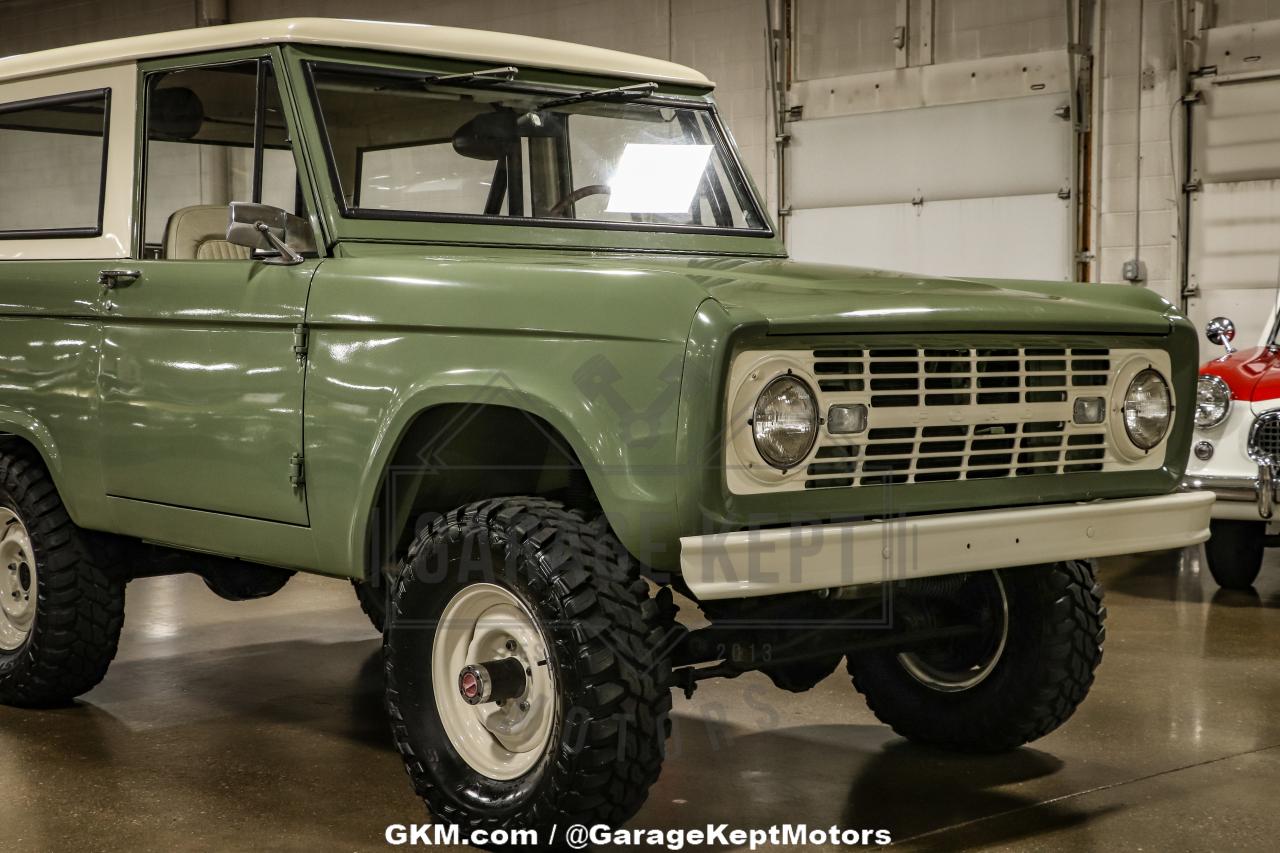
(622,93)
(505,74)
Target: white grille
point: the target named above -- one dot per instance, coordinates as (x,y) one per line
(953,414)
(902,385)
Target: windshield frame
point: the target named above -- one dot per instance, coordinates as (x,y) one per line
(739,181)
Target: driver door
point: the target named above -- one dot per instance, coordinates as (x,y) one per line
(200,384)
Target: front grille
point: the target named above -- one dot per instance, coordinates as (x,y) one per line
(945,414)
(1264,439)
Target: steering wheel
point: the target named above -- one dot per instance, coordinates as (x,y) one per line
(576,196)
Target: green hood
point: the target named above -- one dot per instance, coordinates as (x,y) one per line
(652,296)
(798,297)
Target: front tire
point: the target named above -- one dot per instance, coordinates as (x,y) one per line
(1234,552)
(62,611)
(525,578)
(1016,681)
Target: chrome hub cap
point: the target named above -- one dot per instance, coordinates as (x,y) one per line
(17,582)
(485,624)
(962,665)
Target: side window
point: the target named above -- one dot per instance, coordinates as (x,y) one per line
(52,166)
(215,135)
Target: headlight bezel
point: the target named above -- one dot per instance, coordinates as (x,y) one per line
(1126,451)
(814,421)
(1143,376)
(747,471)
(1221,388)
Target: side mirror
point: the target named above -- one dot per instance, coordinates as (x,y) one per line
(264,228)
(1222,332)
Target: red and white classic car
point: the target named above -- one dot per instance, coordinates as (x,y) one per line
(1236,451)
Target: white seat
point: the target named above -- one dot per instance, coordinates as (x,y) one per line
(199,233)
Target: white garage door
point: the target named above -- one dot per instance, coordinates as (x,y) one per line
(1233,262)
(948,155)
(960,189)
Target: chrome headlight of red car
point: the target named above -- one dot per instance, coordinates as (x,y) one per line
(1213,402)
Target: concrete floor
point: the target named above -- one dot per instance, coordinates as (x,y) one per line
(258,726)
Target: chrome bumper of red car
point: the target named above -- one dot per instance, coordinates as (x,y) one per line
(1233,492)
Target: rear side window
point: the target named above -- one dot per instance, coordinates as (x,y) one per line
(53,159)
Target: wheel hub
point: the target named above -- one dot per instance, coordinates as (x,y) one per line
(18,583)
(495,693)
(494,681)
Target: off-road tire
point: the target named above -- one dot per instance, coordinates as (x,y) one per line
(1053,646)
(79,604)
(373,602)
(606,640)
(1234,552)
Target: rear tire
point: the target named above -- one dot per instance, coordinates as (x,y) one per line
(526,578)
(1234,552)
(1020,685)
(62,625)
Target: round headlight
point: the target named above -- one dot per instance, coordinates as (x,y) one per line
(1147,409)
(1213,401)
(785,422)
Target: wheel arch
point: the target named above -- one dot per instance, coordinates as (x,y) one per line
(21,427)
(451,450)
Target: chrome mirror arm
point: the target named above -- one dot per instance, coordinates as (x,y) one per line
(287,255)
(1221,331)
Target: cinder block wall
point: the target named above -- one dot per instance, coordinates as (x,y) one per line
(1137,135)
(1141,135)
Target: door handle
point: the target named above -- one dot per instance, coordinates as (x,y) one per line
(111,279)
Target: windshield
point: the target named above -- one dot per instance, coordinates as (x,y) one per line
(404,148)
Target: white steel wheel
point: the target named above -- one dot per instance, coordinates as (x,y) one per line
(17,582)
(485,622)
(963,665)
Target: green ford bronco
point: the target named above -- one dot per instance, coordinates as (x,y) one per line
(497,329)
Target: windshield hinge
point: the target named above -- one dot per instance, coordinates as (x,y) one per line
(301,341)
(297,470)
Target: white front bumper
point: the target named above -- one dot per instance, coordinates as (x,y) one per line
(793,559)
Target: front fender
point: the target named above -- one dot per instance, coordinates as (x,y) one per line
(593,346)
(612,401)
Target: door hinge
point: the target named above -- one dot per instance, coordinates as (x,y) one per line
(297,470)
(301,341)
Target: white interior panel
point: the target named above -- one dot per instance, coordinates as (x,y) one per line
(1236,132)
(1005,237)
(1235,254)
(1233,239)
(1013,146)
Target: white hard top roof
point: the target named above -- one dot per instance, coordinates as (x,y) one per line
(449,42)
